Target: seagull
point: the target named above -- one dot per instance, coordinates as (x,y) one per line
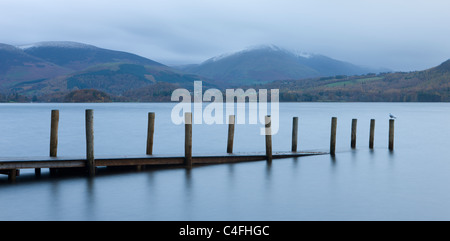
(392,116)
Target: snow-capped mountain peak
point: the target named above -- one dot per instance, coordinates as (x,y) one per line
(57,44)
(270,47)
(303,54)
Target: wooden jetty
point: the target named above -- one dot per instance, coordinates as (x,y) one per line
(11,166)
(89,163)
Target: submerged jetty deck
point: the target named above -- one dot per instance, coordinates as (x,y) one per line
(17,163)
(89,163)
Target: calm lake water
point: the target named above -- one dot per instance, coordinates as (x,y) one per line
(410,183)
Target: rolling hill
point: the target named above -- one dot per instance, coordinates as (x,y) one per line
(431,85)
(79,56)
(46,68)
(17,67)
(268,63)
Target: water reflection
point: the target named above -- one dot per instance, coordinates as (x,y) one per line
(188,180)
(268,171)
(90,209)
(391,159)
(333,161)
(354,156)
(362,184)
(295,162)
(189,193)
(54,203)
(231,176)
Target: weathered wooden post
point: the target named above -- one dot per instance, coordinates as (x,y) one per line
(53,140)
(294,134)
(90,161)
(333,136)
(54,133)
(188,139)
(150,132)
(231,123)
(12,174)
(391,134)
(268,137)
(353,136)
(372,133)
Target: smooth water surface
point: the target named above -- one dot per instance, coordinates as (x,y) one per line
(410,183)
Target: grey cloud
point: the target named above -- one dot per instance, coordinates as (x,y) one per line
(402,35)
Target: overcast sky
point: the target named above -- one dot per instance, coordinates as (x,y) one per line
(398,34)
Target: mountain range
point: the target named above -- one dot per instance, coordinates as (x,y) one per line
(51,67)
(74,72)
(268,63)
(430,85)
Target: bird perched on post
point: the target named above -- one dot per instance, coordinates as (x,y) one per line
(392,116)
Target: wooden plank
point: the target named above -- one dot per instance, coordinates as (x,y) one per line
(227,159)
(245,158)
(143,160)
(42,164)
(140,161)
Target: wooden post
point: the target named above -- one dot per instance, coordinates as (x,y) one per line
(150,132)
(12,174)
(333,136)
(372,133)
(90,161)
(353,138)
(188,139)
(54,133)
(294,134)
(231,123)
(391,134)
(53,140)
(268,138)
